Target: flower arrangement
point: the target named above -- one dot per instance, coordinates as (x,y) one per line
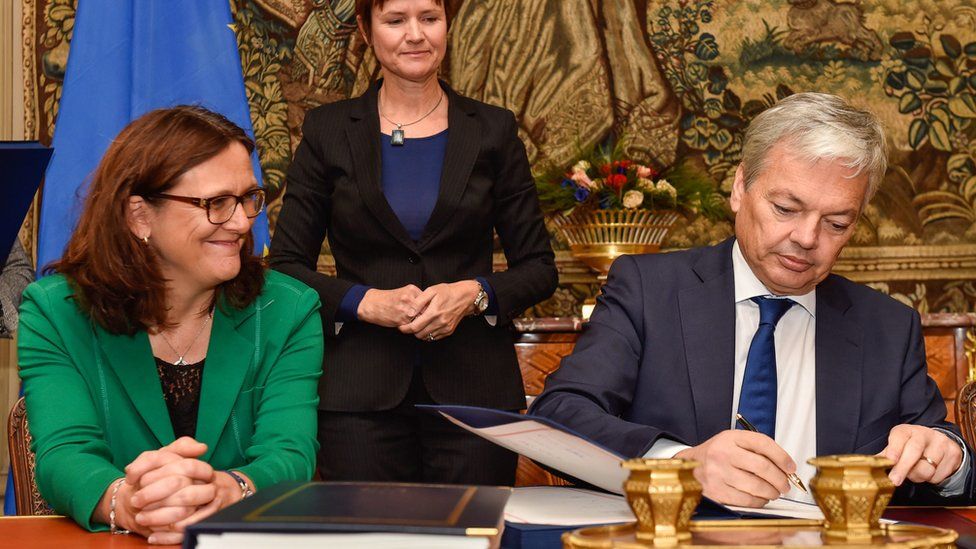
(602,179)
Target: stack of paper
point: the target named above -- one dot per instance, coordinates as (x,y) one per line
(565,506)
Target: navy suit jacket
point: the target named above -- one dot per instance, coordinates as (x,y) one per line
(657,360)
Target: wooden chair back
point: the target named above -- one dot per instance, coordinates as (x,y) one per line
(27,497)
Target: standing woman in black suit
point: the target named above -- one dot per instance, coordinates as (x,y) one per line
(408,182)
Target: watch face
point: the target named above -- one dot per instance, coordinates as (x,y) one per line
(481,302)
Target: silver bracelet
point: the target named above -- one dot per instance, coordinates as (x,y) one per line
(246,491)
(111,508)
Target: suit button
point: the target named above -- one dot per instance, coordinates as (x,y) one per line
(413,259)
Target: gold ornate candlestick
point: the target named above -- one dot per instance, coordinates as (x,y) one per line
(852,491)
(663,494)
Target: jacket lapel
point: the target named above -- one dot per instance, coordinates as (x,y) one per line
(229,359)
(838,363)
(463,144)
(131,358)
(364,143)
(708,327)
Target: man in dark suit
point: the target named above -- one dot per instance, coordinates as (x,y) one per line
(682,342)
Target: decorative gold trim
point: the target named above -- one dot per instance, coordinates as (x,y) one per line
(860,264)
(481,532)
(970,349)
(28,53)
(28,232)
(914,263)
(623,536)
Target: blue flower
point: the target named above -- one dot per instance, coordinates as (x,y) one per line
(581,194)
(567,183)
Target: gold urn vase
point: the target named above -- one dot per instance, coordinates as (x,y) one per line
(853,492)
(663,493)
(597,237)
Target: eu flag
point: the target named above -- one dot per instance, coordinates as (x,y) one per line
(128,57)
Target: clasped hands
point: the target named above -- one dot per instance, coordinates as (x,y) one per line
(168,489)
(749,469)
(429,314)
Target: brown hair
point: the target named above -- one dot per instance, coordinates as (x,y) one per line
(116,277)
(364,9)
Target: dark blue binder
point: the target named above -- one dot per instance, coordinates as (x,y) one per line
(22,165)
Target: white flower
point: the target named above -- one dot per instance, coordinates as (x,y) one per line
(633,199)
(645,184)
(664,187)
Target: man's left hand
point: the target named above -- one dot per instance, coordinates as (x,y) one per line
(921,454)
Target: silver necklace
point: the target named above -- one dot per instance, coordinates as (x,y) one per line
(397,138)
(179,361)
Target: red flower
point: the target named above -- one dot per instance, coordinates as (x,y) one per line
(616,181)
(606,169)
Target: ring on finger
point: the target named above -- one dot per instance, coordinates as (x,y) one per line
(928,460)
(430,336)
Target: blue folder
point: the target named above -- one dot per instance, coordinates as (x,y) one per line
(22,164)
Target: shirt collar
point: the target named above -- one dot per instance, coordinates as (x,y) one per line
(748,286)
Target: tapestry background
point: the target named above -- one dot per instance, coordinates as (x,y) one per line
(679,78)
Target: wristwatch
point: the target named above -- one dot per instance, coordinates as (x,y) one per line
(481,300)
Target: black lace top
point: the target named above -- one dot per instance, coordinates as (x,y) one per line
(181,388)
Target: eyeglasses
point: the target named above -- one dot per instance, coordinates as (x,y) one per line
(221,208)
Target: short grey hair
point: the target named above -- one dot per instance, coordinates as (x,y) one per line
(818,126)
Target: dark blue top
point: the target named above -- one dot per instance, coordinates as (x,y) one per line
(411,180)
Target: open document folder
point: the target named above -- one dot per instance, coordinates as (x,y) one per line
(559,447)
(544,441)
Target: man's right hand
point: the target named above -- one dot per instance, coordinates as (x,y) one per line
(389,308)
(741,468)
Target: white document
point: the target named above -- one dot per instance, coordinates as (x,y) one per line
(569,453)
(558,447)
(790,508)
(784,508)
(565,506)
(240,540)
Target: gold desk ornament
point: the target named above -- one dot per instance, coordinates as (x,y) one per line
(597,237)
(853,492)
(663,493)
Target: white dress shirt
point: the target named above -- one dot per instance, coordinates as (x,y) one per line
(796,398)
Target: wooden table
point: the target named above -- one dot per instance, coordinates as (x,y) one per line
(57,532)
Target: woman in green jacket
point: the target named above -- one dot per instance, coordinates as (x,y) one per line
(167,374)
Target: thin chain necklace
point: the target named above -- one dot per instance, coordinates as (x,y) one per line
(179,361)
(397,138)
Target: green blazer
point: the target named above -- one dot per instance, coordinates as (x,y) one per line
(94,400)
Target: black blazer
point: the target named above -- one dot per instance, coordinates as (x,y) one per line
(333,190)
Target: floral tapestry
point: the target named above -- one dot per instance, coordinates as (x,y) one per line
(680,79)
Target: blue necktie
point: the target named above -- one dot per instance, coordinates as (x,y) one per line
(757,399)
